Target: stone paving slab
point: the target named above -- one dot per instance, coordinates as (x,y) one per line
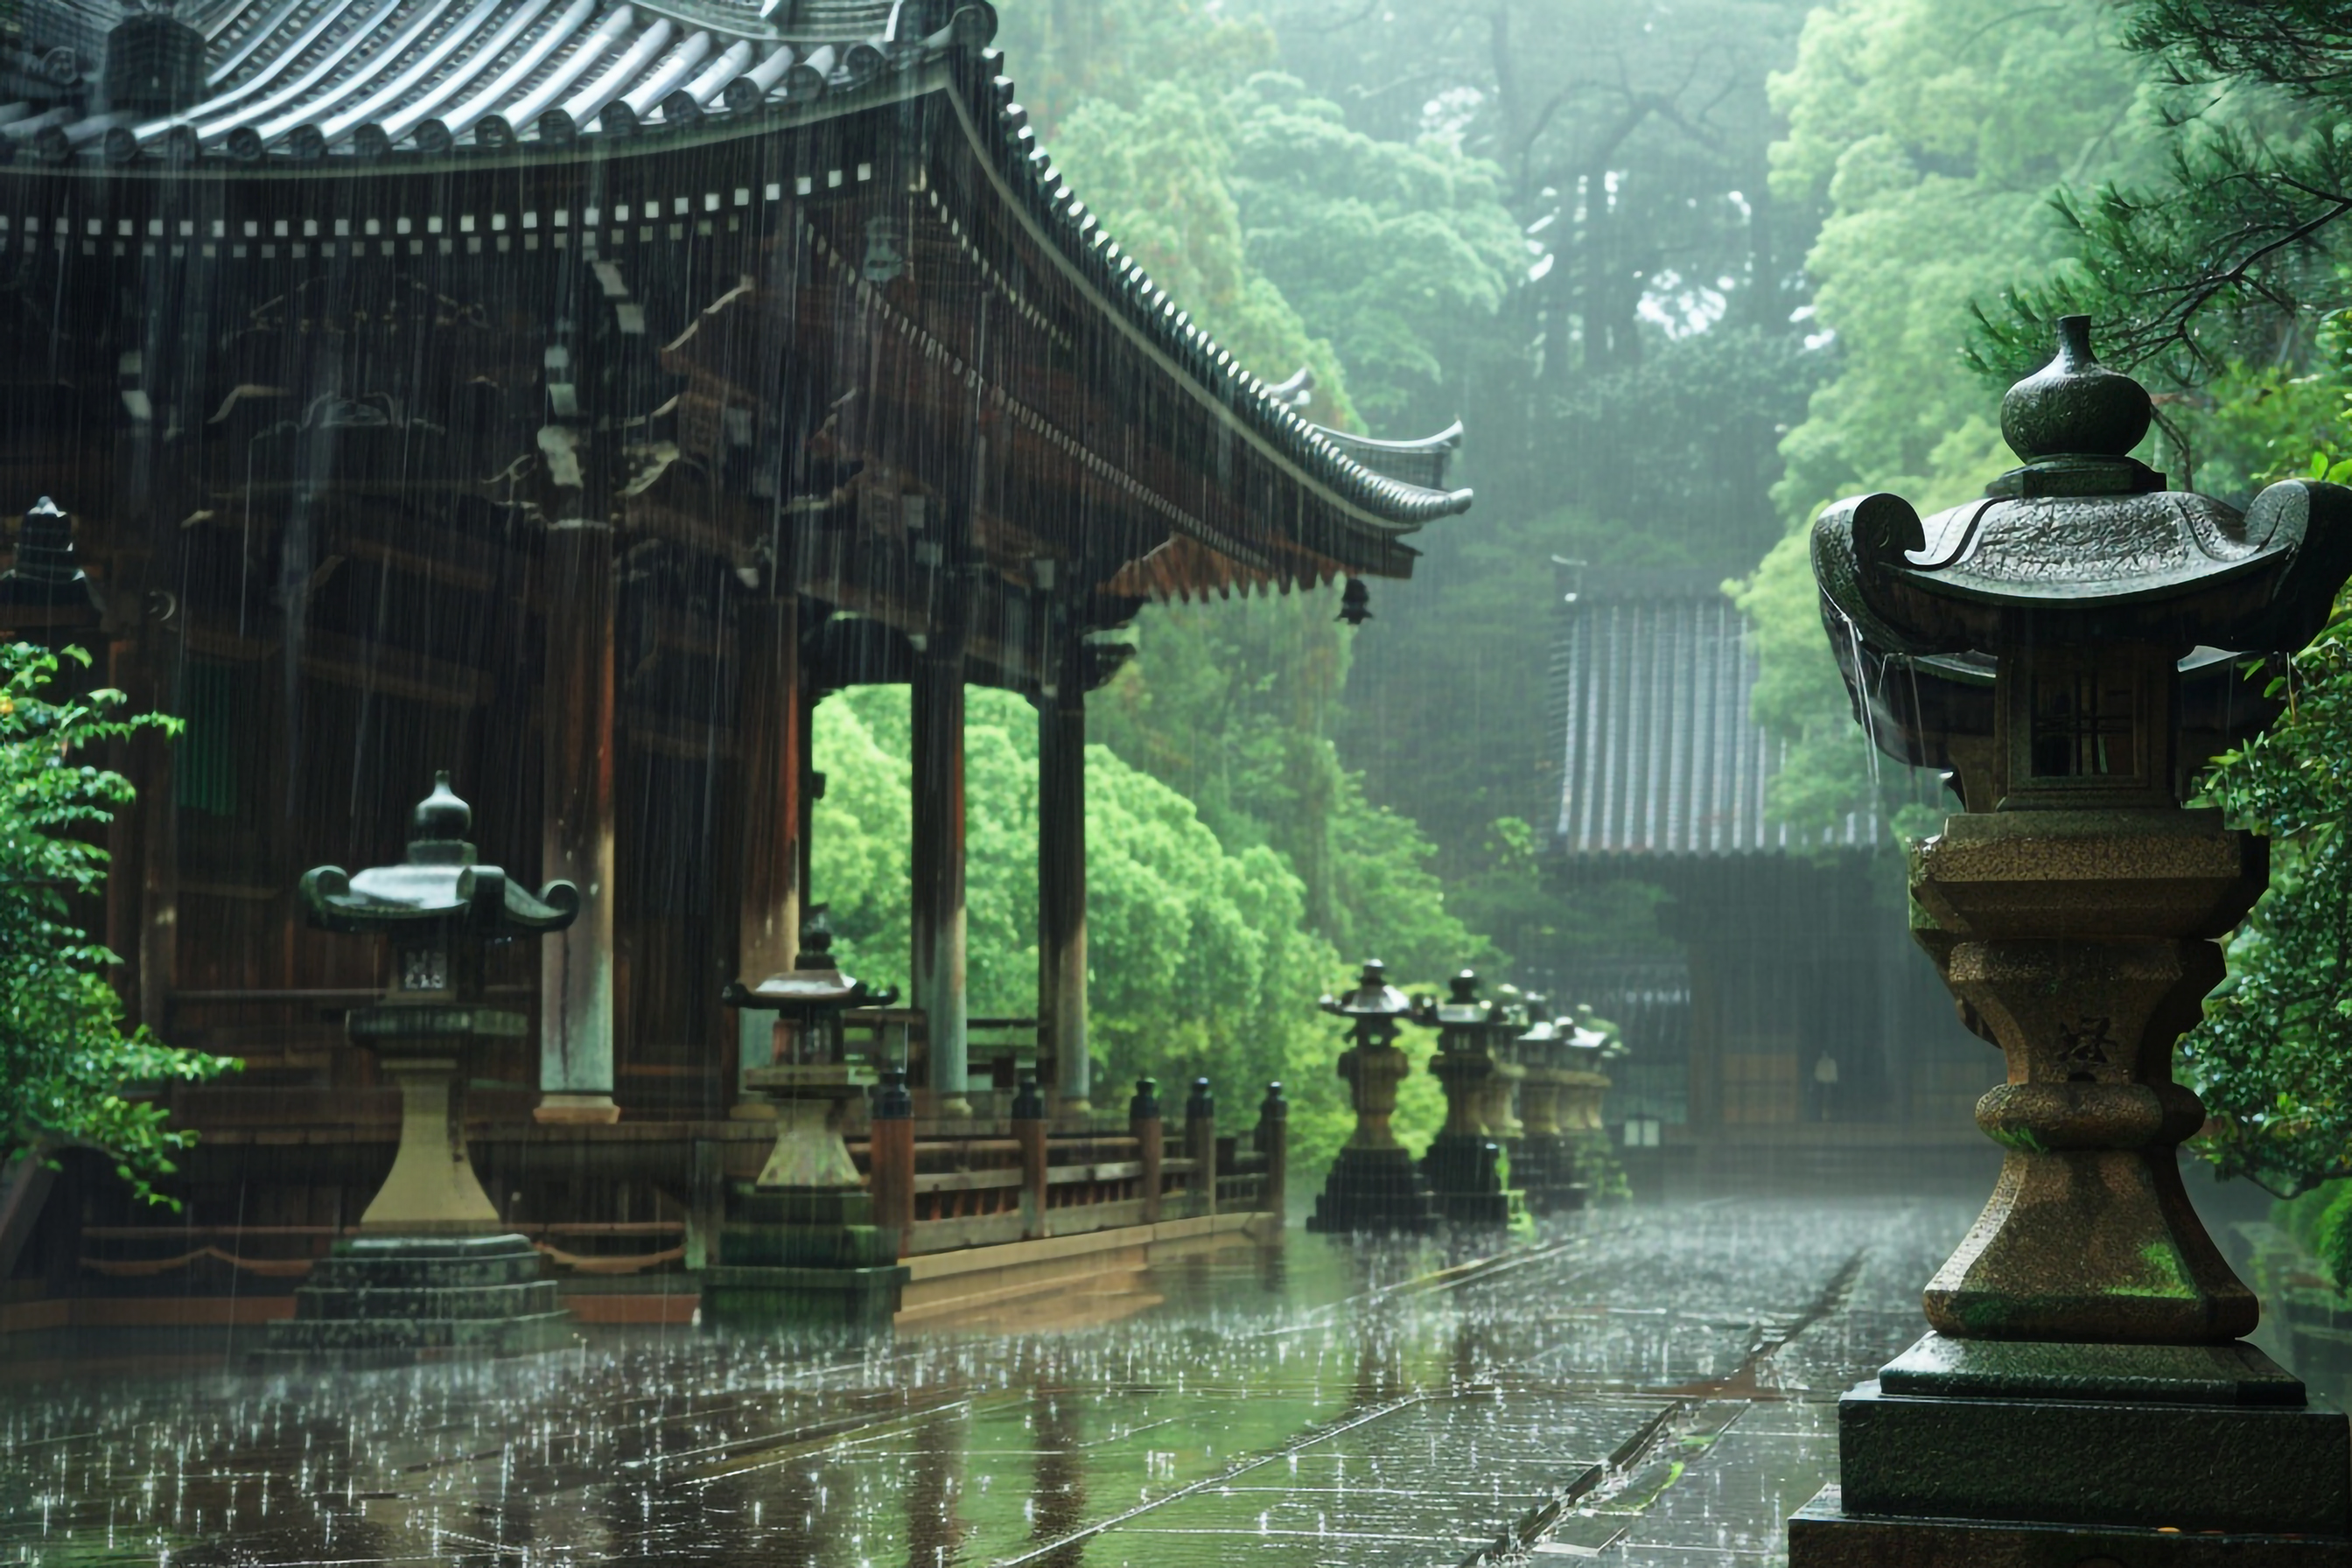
(1645,1385)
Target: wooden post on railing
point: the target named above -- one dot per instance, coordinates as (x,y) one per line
(1201,1144)
(891,1156)
(1273,1142)
(1143,1122)
(1029,1131)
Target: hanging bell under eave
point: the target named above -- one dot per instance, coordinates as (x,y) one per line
(1354,602)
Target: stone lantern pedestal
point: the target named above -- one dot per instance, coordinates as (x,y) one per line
(1374,1185)
(2085,1395)
(1559,1107)
(800,1245)
(434,1272)
(1543,1162)
(1499,1094)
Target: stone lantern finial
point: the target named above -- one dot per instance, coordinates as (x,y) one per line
(2075,405)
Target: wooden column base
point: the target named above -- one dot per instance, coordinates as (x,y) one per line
(591,1109)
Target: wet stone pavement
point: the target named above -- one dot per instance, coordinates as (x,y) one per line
(1647,1385)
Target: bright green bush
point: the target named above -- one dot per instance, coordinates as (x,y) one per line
(67,1065)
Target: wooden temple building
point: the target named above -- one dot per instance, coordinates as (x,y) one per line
(570,395)
(1791,944)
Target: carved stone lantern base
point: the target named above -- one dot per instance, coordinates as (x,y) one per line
(1543,1166)
(431,1275)
(800,1246)
(1823,1534)
(2087,1368)
(1374,1192)
(1464,1173)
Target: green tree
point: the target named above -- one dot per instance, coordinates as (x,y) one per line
(1199,955)
(67,1065)
(2273,1058)
(1234,706)
(1935,134)
(1388,250)
(2233,251)
(1157,173)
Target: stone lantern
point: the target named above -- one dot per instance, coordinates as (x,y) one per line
(1463,1165)
(1374,1184)
(432,1271)
(1542,1162)
(1506,1018)
(1588,1046)
(801,1244)
(2066,645)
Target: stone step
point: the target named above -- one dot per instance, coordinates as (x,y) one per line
(429,1263)
(452,1302)
(362,1341)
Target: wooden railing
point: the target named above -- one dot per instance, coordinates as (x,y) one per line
(949,1194)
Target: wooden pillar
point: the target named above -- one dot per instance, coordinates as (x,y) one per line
(1143,1123)
(706,1209)
(775,742)
(1062,879)
(159,884)
(1273,1142)
(812,785)
(890,1159)
(1201,1146)
(575,999)
(937,923)
(1029,1131)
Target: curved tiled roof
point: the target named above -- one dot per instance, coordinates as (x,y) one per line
(295,81)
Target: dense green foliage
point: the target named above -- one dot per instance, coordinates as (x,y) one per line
(65,1063)
(2175,169)
(1934,134)
(1202,958)
(1211,176)
(2272,1059)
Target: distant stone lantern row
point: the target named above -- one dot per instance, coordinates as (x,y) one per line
(2067,647)
(1522,1092)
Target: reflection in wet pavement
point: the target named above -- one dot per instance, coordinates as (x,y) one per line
(1651,1386)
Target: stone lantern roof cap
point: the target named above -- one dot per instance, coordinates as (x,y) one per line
(2082,541)
(1462,1004)
(814,982)
(801,990)
(439,883)
(1373,996)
